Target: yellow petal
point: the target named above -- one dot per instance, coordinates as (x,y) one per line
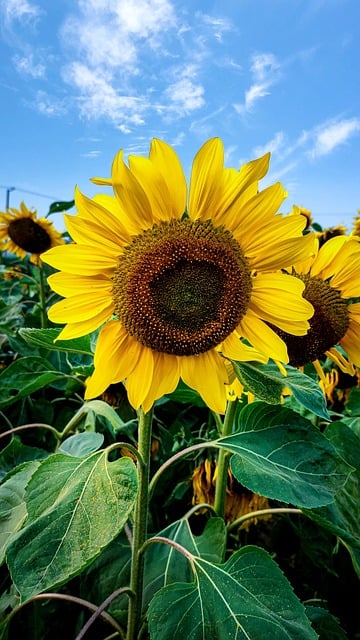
(235,349)
(166,160)
(165,378)
(68,284)
(138,382)
(324,265)
(262,337)
(285,253)
(80,260)
(80,308)
(259,210)
(207,374)
(130,193)
(154,186)
(106,213)
(270,233)
(351,340)
(115,358)
(89,233)
(115,208)
(78,329)
(277,298)
(205,186)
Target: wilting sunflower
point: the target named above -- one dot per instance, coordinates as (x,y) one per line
(179,285)
(21,232)
(332,282)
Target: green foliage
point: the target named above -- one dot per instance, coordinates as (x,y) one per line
(283,456)
(247,597)
(87,504)
(73,483)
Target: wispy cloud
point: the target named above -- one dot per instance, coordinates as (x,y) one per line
(219,25)
(265,71)
(48,106)
(19,10)
(274,145)
(330,135)
(185,94)
(26,65)
(91,154)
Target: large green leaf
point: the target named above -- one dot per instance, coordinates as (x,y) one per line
(110,571)
(76,507)
(13,508)
(24,376)
(246,598)
(46,338)
(90,411)
(164,565)
(267,383)
(15,453)
(342,516)
(325,625)
(281,455)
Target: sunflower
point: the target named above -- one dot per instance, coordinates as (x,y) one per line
(332,285)
(178,285)
(21,232)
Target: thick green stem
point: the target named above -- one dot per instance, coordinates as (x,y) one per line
(223,462)
(140,525)
(42,290)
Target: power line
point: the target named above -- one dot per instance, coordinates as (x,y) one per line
(33,193)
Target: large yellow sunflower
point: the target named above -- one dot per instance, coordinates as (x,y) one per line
(178,285)
(21,232)
(332,284)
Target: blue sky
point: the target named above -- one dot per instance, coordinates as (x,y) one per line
(80,79)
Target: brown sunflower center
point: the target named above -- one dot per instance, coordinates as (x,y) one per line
(29,235)
(182,287)
(327,326)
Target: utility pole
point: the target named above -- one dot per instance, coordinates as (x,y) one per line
(8,191)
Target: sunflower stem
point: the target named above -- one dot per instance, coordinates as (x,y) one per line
(42,289)
(140,525)
(223,462)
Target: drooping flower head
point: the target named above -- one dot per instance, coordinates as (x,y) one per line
(178,280)
(332,282)
(22,232)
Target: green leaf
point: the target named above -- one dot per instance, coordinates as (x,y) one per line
(325,624)
(342,516)
(13,508)
(247,597)
(25,376)
(45,338)
(267,383)
(110,571)
(281,455)
(82,444)
(93,409)
(15,453)
(76,507)
(60,205)
(353,403)
(164,565)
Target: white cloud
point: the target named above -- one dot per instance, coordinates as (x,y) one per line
(27,66)
(186,94)
(265,70)
(91,154)
(109,32)
(218,25)
(48,106)
(20,10)
(99,98)
(274,145)
(330,135)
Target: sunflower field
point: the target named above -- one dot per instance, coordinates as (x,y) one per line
(179,411)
